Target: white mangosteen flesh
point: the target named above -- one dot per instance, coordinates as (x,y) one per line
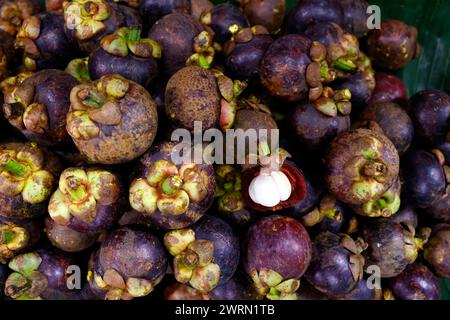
(269,189)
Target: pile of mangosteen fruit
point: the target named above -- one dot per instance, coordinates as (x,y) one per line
(353,203)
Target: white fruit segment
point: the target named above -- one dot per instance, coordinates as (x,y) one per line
(269,189)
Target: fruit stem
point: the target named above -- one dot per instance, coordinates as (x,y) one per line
(344,65)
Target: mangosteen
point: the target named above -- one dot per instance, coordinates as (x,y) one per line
(389,88)
(430,110)
(406,215)
(12,13)
(361,166)
(391,246)
(153,10)
(337,264)
(18,236)
(355,16)
(44,42)
(68,239)
(315,129)
(228,189)
(440,209)
(423,178)
(28,177)
(7,53)
(224,19)
(236,288)
(129,264)
(206,255)
(87,200)
(277,252)
(176,34)
(78,68)
(40,275)
(268,13)
(394,45)
(437,251)
(393,121)
(172,194)
(37,105)
(87,21)
(245,51)
(415,283)
(112,120)
(200,7)
(362,291)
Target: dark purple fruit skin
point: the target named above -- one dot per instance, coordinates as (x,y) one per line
(329,271)
(268,13)
(68,239)
(141,70)
(54,266)
(389,88)
(406,215)
(222,17)
(440,210)
(430,111)
(234,289)
(131,16)
(359,87)
(243,62)
(386,246)
(153,10)
(32,226)
(423,178)
(325,32)
(314,129)
(339,223)
(3,275)
(355,16)
(280,244)
(226,244)
(393,120)
(361,292)
(437,251)
(307,12)
(283,67)
(56,50)
(417,282)
(175,34)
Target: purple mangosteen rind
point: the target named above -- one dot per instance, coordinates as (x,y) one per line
(436,250)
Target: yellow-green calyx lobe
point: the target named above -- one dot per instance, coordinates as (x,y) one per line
(25,40)
(204,51)
(387,205)
(128,40)
(78,68)
(228,190)
(271,284)
(193,261)
(26,282)
(168,188)
(81,192)
(96,103)
(86,17)
(22,173)
(117,288)
(12,238)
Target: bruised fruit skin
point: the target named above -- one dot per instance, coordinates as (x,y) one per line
(393,46)
(277,252)
(336,264)
(124,52)
(87,21)
(37,104)
(28,177)
(129,264)
(175,34)
(244,55)
(172,195)
(206,255)
(87,200)
(423,177)
(268,13)
(18,236)
(361,166)
(44,42)
(393,121)
(415,283)
(430,110)
(112,120)
(12,13)
(391,246)
(314,129)
(153,10)
(192,94)
(224,19)
(40,275)
(437,251)
(68,239)
(389,88)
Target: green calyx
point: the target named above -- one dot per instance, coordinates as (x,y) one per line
(78,68)
(334,102)
(15,168)
(271,284)
(345,65)
(204,51)
(193,259)
(12,238)
(228,189)
(126,40)
(171,184)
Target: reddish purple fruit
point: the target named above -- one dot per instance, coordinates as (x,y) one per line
(389,88)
